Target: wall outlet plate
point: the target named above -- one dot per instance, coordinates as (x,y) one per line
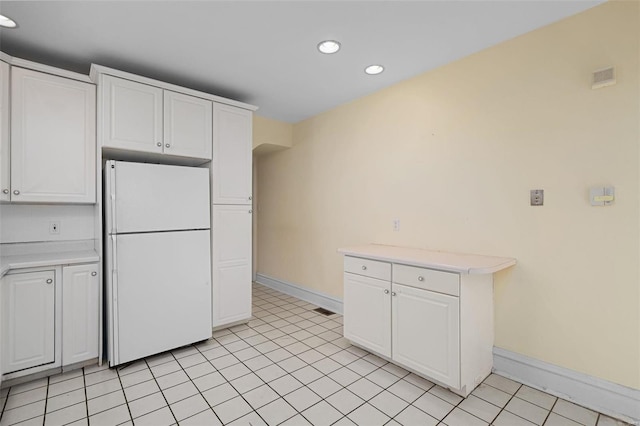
(537,197)
(54,227)
(602,196)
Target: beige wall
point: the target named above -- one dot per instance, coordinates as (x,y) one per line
(453,154)
(270,135)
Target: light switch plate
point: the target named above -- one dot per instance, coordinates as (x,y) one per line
(537,197)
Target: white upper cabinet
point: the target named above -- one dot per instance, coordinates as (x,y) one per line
(232,155)
(187,125)
(131,115)
(143,118)
(5,151)
(52,138)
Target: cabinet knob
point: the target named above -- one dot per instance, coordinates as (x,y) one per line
(5,191)
(386,291)
(49,281)
(94,273)
(420,278)
(249,197)
(16,192)
(364,268)
(167,145)
(393,293)
(250,211)
(159,144)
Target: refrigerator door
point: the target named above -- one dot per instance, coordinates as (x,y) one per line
(160,293)
(152,197)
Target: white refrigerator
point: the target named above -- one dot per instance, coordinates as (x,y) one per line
(157,257)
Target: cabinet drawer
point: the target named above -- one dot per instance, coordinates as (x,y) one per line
(428,279)
(368,268)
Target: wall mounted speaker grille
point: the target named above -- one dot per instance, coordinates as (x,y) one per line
(603,77)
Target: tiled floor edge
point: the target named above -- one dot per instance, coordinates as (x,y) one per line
(591,392)
(308,295)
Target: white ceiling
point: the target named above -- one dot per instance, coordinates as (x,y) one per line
(264,52)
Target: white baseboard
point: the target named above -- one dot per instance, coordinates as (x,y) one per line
(312,296)
(591,392)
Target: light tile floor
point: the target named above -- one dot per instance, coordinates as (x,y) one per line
(289,366)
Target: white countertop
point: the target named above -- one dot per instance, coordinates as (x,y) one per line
(451,262)
(33,255)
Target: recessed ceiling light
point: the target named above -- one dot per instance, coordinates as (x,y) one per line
(328,46)
(374,69)
(7,22)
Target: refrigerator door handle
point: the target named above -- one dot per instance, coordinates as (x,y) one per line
(112,198)
(114,301)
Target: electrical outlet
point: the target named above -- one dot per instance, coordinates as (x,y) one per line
(54,227)
(396,225)
(537,197)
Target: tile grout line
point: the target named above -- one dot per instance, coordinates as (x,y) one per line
(5,402)
(46,400)
(161,391)
(551,411)
(507,403)
(310,365)
(326,375)
(86,398)
(126,402)
(198,389)
(276,364)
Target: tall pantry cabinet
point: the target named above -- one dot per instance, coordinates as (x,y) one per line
(142,119)
(231,184)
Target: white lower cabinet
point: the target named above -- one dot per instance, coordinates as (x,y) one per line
(28,320)
(426,333)
(367,312)
(80,313)
(231,263)
(437,324)
(49,318)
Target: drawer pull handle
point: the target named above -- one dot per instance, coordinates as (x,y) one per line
(420,278)
(393,293)
(386,291)
(364,268)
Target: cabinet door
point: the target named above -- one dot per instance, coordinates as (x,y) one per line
(28,323)
(131,115)
(367,312)
(426,333)
(231,251)
(187,125)
(5,153)
(80,313)
(232,155)
(52,138)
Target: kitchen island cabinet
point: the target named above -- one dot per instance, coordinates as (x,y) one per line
(430,312)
